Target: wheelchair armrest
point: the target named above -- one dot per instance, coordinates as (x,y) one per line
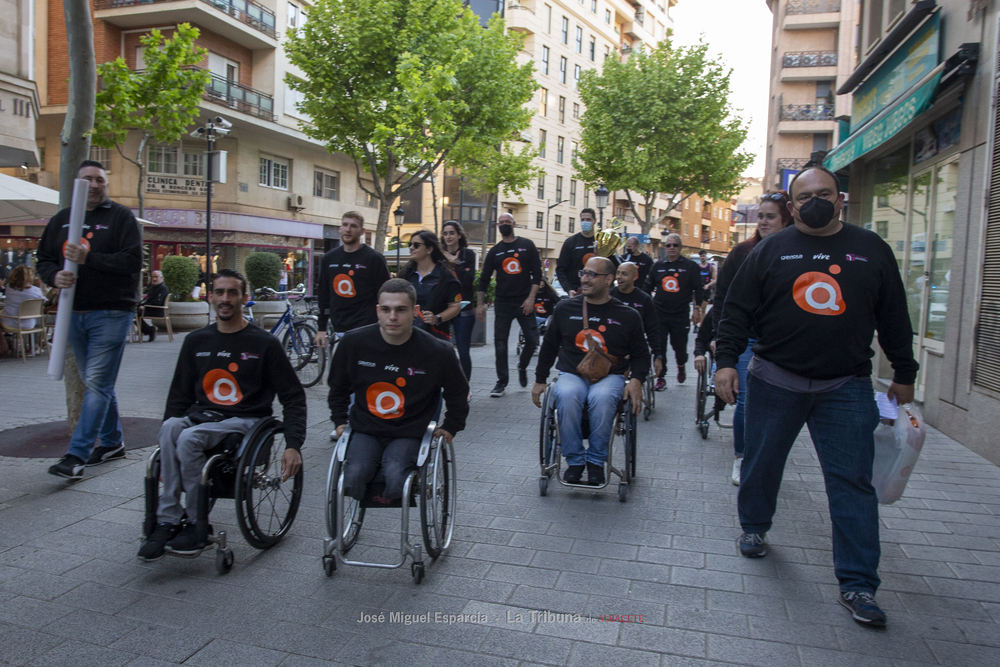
(340,449)
(425,444)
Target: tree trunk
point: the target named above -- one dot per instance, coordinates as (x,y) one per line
(384,209)
(75,145)
(141,189)
(434,203)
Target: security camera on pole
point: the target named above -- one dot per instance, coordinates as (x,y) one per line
(215,162)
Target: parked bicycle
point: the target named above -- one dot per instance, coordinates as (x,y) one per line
(298,336)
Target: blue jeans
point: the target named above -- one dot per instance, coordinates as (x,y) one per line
(741,398)
(842,425)
(98,341)
(571,392)
(463,325)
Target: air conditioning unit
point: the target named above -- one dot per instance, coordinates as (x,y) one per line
(296,202)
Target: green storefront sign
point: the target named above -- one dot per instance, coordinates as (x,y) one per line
(877,133)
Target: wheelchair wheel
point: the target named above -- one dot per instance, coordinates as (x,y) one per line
(224,560)
(354,513)
(648,398)
(437,497)
(266,506)
(308,359)
(547,431)
(702,396)
(629,430)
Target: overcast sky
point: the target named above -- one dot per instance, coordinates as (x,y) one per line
(740,32)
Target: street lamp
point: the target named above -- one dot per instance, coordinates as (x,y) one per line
(399,214)
(548,214)
(214,129)
(601,195)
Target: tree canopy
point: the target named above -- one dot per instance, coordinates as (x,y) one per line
(396,84)
(662,122)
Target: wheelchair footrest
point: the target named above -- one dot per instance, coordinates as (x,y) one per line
(374,497)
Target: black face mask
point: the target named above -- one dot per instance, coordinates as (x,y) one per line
(506,230)
(817,213)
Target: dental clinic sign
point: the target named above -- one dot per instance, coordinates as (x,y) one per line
(173,185)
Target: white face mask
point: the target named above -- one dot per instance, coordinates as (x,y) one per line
(586,226)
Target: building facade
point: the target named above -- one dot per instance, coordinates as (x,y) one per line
(18,93)
(921,161)
(706,224)
(813,54)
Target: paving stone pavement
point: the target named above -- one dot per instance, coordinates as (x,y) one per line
(72,592)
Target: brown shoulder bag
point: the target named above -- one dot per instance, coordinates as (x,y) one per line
(597,363)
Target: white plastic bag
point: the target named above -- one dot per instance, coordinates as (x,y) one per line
(898,441)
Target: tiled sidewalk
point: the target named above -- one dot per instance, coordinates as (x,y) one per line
(72,592)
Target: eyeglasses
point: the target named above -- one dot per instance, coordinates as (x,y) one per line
(591,274)
(417,245)
(671,245)
(777,196)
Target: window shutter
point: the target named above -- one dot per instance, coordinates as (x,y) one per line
(986,368)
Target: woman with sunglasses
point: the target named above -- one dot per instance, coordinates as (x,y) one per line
(772,216)
(464,262)
(439,293)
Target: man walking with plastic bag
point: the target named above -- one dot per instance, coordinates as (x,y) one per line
(815,293)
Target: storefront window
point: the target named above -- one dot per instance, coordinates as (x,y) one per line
(940,250)
(918,247)
(884,209)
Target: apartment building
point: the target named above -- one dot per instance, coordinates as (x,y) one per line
(283,192)
(705,224)
(813,54)
(18,94)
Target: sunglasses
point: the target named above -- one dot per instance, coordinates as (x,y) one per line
(591,274)
(672,245)
(417,245)
(773,197)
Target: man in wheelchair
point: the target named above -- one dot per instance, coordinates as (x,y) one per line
(226,378)
(397,375)
(618,330)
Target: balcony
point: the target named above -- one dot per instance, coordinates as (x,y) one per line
(520,16)
(809,66)
(806,119)
(793,163)
(239,97)
(812,14)
(243,21)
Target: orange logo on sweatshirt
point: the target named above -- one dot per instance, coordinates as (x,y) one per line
(385,400)
(819,293)
(671,284)
(221,387)
(343,286)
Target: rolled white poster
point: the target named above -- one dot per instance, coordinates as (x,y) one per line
(60,336)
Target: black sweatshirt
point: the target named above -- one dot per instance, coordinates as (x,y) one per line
(466,272)
(706,332)
(643,304)
(156,296)
(725,278)
(575,252)
(348,288)
(672,284)
(109,280)
(618,326)
(438,290)
(545,301)
(396,387)
(815,303)
(643,262)
(237,374)
(517,266)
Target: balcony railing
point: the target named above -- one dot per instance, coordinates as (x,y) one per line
(812,6)
(807,112)
(246,11)
(237,96)
(810,59)
(795,163)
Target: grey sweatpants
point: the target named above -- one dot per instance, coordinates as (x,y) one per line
(182,456)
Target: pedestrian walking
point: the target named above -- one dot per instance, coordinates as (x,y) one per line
(439,294)
(772,216)
(155,298)
(708,272)
(576,251)
(625,291)
(633,253)
(814,294)
(673,283)
(110,260)
(464,262)
(519,270)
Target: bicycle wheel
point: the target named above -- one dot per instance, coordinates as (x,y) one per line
(308,359)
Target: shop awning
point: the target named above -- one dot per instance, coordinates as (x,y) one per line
(887,124)
(21,200)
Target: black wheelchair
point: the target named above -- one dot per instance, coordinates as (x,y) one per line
(648,396)
(704,414)
(431,486)
(550,446)
(248,469)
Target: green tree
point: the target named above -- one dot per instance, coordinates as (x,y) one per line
(263,269)
(662,122)
(180,274)
(396,84)
(159,102)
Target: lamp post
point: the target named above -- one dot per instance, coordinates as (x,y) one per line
(399,214)
(601,196)
(215,128)
(548,214)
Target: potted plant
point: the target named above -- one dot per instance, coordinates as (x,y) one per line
(180,274)
(263,269)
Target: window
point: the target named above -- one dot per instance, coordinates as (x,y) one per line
(579,39)
(572,192)
(607,16)
(687,229)
(572,225)
(874,26)
(697,206)
(573,147)
(821,142)
(543,96)
(194,164)
(548,19)
(162,159)
(562,109)
(140,57)
(273,173)
(545,60)
(576,77)
(541,187)
(563,65)
(293,98)
(362,198)
(593,48)
(539,220)
(293,15)
(586,198)
(576,110)
(565,30)
(882,228)
(558,223)
(325,184)
(560,142)
(559,188)
(543,137)
(607,51)
(103,155)
(593,6)
(687,203)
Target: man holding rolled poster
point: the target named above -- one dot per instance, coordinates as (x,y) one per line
(109,260)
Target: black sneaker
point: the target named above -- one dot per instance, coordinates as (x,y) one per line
(595,474)
(188,542)
(152,548)
(573,474)
(69,467)
(863,608)
(152,335)
(498,390)
(753,545)
(522,376)
(104,454)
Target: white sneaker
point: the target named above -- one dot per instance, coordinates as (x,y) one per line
(737,465)
(333,435)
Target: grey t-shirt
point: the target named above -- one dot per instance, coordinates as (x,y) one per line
(779,377)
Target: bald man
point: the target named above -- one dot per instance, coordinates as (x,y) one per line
(626,292)
(673,283)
